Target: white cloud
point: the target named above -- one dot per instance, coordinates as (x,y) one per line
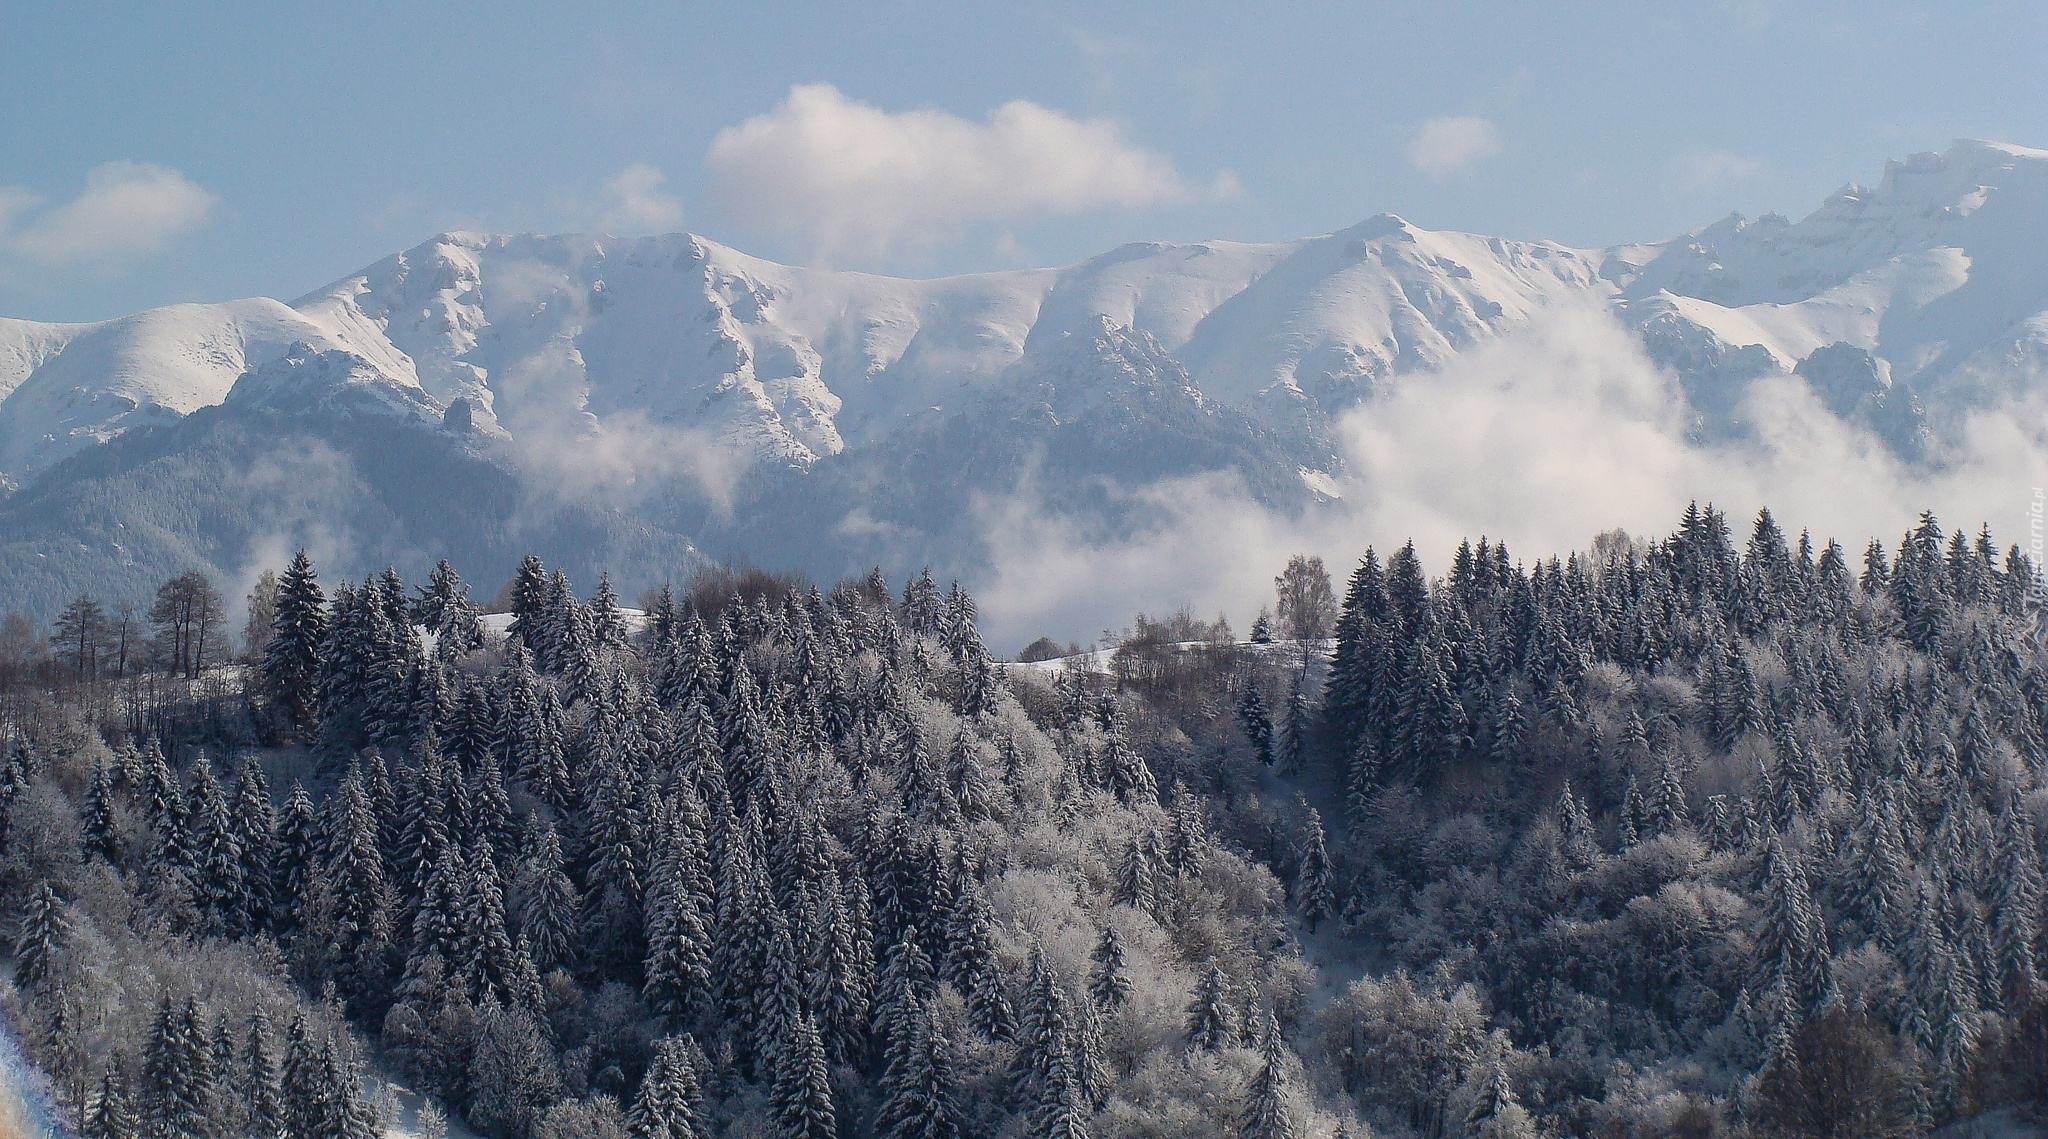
(1544,438)
(13,202)
(1448,144)
(127,210)
(636,202)
(1711,169)
(850,177)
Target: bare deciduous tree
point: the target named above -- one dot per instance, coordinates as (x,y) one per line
(186,616)
(1308,605)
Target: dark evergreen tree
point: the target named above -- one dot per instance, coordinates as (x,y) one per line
(291,658)
(1256,724)
(111,1115)
(801,1099)
(917,1085)
(678,968)
(261,1088)
(40,937)
(1265,1111)
(1314,897)
(1109,986)
(1212,1022)
(670,1103)
(177,1073)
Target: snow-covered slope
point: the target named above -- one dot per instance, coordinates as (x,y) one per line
(64,387)
(1940,272)
(1344,311)
(795,364)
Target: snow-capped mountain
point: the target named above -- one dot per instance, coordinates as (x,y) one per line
(695,395)
(65,387)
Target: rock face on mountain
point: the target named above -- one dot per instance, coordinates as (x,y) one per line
(671,398)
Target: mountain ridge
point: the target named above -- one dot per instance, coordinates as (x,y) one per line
(683,382)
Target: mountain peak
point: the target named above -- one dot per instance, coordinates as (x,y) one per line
(1382,226)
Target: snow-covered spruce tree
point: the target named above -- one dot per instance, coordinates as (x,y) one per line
(678,967)
(178,1077)
(917,1085)
(1256,723)
(1265,1113)
(801,1099)
(40,937)
(1109,984)
(670,1102)
(260,1081)
(1212,1021)
(1314,895)
(291,657)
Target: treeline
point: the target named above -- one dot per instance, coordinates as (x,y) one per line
(1718,837)
(181,632)
(765,860)
(1681,838)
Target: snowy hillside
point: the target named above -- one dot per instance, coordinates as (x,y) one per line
(64,387)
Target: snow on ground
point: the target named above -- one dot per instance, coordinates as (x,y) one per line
(400,1107)
(497,624)
(1097,661)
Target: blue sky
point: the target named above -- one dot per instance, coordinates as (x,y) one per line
(150,155)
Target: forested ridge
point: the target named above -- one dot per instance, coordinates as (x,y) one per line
(1700,836)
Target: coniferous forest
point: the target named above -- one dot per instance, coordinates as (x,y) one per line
(1730,833)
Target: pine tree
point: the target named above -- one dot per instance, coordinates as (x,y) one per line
(1667,809)
(1265,1111)
(531,610)
(1044,1037)
(1256,724)
(111,1115)
(1212,1022)
(800,1102)
(1294,728)
(917,1084)
(1314,897)
(1059,1112)
(1791,941)
(840,974)
(1874,875)
(1090,1052)
(1109,986)
(678,967)
(255,835)
(354,882)
(1126,771)
(101,827)
(670,1103)
(1137,874)
(293,861)
(299,1081)
(63,1058)
(291,659)
(177,1073)
(968,779)
(486,943)
(2014,903)
(217,853)
(906,982)
(1495,1113)
(41,937)
(262,1091)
